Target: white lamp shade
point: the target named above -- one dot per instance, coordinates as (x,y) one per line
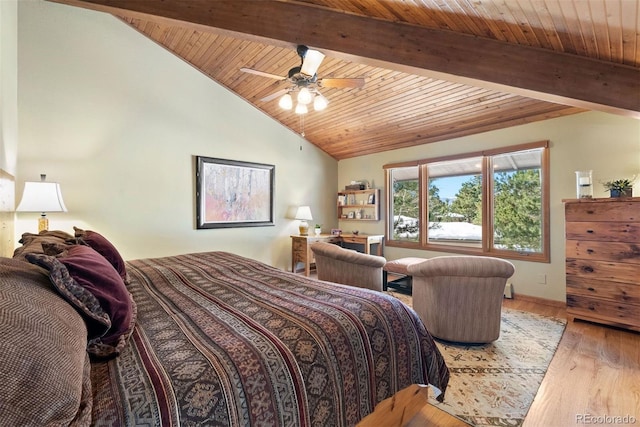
(304,96)
(319,102)
(41,197)
(304,213)
(301,109)
(311,63)
(286,103)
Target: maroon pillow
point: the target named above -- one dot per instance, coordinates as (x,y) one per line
(84,302)
(93,272)
(105,248)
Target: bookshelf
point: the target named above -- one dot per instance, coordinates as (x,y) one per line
(359,205)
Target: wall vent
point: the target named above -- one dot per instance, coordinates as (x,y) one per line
(508,290)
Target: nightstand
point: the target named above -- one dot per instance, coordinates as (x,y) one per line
(301,250)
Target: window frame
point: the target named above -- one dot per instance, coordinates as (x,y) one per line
(487,246)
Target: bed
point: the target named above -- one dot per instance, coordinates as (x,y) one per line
(204,339)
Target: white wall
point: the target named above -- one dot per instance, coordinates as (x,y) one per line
(8,85)
(117,120)
(608,144)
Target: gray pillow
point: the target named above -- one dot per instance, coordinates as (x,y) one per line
(44,366)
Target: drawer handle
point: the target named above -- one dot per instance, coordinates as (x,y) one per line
(590,231)
(590,289)
(589,251)
(588,269)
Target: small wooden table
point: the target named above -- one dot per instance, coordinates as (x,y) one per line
(301,250)
(366,240)
(301,246)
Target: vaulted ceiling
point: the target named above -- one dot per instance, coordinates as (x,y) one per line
(433,69)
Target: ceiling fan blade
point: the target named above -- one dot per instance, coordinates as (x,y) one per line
(274,95)
(342,83)
(261,73)
(311,62)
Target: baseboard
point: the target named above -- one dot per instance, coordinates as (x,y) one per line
(538,300)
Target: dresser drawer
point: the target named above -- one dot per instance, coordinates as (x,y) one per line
(613,211)
(603,231)
(603,311)
(611,291)
(603,251)
(608,271)
(361,240)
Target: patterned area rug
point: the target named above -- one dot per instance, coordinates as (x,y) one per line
(494,384)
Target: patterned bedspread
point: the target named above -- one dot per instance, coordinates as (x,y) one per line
(226,340)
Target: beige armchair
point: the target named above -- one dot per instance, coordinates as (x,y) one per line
(339,265)
(459,298)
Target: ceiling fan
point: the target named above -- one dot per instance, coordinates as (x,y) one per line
(304,80)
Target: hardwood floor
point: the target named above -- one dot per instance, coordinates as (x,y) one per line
(593,379)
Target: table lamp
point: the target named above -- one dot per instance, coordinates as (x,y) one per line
(42,197)
(304,214)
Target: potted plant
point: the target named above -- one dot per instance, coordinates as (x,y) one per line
(620,187)
(318,229)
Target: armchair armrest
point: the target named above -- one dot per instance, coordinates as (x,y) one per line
(352,257)
(471,266)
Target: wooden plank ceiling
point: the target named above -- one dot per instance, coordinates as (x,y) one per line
(434,70)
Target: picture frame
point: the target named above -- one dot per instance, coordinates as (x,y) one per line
(371,199)
(352,215)
(232,193)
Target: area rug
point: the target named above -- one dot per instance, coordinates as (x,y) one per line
(494,384)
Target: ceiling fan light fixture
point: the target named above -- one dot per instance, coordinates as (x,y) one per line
(305,96)
(304,83)
(301,109)
(286,102)
(320,102)
(311,62)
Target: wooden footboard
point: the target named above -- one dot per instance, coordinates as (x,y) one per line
(410,408)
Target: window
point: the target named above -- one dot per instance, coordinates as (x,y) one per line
(517,201)
(455,202)
(405,209)
(493,203)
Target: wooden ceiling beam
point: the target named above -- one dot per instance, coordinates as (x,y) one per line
(532,72)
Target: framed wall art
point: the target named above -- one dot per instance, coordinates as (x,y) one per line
(232,193)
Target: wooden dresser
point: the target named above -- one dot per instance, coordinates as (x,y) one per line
(603,260)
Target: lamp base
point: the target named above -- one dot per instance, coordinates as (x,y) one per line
(304,228)
(43,223)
